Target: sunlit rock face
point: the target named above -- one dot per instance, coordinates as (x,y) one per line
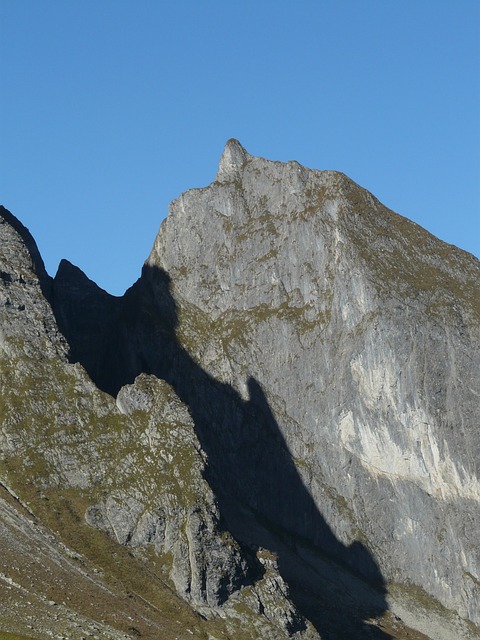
(362,330)
(278,420)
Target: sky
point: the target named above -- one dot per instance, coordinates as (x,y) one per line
(111,109)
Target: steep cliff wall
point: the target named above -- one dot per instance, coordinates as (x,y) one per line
(362,330)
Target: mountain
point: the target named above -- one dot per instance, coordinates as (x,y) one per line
(273,433)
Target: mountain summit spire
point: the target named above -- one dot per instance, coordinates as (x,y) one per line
(233,158)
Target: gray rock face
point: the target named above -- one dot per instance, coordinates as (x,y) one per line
(361,330)
(177,513)
(25,314)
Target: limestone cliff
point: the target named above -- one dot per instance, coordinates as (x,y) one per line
(362,331)
(279,421)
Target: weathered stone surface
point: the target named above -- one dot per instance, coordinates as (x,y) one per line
(174,510)
(362,331)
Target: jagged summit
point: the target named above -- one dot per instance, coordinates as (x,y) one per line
(19,240)
(234,156)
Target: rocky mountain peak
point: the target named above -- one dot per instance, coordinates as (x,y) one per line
(233,159)
(20,250)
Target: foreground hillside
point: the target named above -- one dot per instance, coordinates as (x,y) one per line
(272,434)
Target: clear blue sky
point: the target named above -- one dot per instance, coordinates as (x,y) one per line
(112,108)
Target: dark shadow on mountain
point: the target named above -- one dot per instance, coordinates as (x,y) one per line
(262,498)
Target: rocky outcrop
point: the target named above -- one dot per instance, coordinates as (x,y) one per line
(361,330)
(173,510)
(279,418)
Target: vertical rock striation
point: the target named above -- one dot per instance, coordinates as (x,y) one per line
(362,331)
